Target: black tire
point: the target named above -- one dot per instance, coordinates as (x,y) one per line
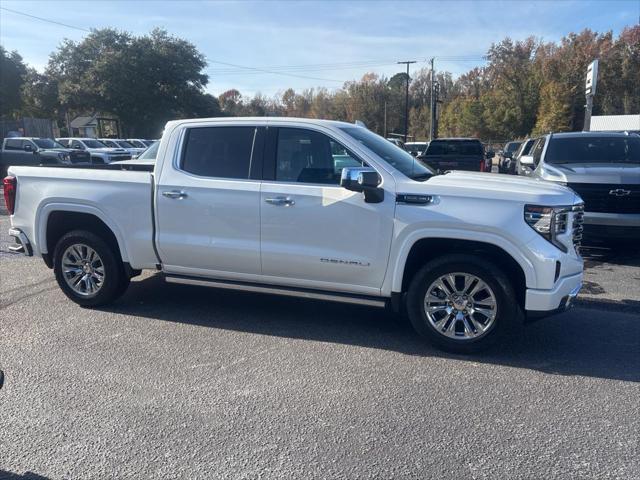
(508,314)
(115,280)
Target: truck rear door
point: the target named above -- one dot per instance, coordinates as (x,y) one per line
(207,203)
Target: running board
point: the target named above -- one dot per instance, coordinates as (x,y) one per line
(276,290)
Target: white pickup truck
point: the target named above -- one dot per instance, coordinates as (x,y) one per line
(310,208)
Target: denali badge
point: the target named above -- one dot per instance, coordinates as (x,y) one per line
(619,192)
(345,262)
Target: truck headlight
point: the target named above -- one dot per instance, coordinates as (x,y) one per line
(550,222)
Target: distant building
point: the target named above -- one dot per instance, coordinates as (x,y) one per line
(95,126)
(615,123)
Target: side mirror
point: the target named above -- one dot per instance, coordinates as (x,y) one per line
(28,148)
(365,180)
(527,160)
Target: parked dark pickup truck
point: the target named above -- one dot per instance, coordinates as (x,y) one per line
(445,154)
(29,151)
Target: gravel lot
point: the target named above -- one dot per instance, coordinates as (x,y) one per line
(185,382)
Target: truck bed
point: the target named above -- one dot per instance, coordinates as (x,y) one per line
(120,198)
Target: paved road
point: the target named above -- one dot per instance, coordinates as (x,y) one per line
(185,382)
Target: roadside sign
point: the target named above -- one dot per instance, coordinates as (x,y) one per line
(592,78)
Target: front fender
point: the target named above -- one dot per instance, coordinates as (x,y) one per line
(402,247)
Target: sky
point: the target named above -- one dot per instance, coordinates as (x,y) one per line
(275,45)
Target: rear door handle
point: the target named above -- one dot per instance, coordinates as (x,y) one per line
(175,194)
(281,201)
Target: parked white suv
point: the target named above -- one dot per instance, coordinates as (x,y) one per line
(119,143)
(310,208)
(99,152)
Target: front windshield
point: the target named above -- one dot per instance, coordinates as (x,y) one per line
(387,151)
(150,153)
(124,144)
(512,146)
(415,147)
(591,149)
(89,143)
(46,143)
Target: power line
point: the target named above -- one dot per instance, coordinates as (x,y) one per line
(274,72)
(45,19)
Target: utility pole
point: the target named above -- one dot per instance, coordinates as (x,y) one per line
(432,129)
(406,100)
(385,119)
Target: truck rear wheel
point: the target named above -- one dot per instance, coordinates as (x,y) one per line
(87,269)
(461,303)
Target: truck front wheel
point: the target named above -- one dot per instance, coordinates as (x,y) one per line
(87,269)
(461,303)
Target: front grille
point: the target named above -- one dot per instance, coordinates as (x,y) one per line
(608,198)
(577,227)
(80,157)
(117,158)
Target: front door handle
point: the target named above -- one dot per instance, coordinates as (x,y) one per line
(175,194)
(281,201)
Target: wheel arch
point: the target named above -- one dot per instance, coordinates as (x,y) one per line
(517,268)
(54,220)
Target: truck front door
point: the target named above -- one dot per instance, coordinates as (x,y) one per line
(315,233)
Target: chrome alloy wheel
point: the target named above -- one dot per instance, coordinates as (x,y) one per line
(460,306)
(83,269)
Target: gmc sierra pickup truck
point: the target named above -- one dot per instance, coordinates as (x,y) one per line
(309,208)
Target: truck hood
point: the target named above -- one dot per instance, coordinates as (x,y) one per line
(494,186)
(108,150)
(622,173)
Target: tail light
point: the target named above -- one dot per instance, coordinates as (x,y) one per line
(482,165)
(10,185)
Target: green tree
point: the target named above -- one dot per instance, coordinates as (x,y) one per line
(12,74)
(145,80)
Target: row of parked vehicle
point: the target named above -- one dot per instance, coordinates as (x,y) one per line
(77,151)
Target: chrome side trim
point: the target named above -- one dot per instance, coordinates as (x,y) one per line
(290,292)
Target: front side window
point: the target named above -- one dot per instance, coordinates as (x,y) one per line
(78,145)
(536,150)
(305,156)
(222,152)
(109,143)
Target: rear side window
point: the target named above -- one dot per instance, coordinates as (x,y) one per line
(13,144)
(222,152)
